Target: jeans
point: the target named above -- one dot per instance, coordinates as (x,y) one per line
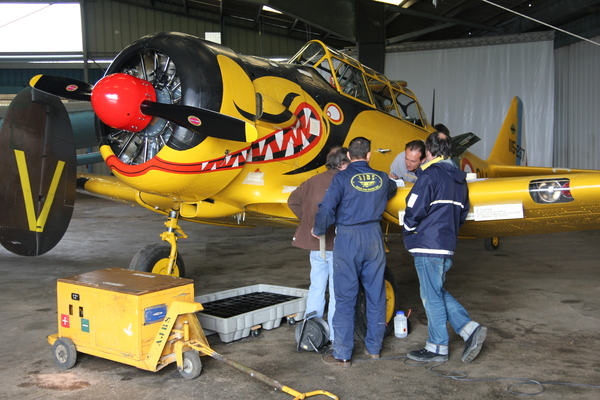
(439,305)
(321,271)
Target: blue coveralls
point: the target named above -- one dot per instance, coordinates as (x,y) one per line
(354,203)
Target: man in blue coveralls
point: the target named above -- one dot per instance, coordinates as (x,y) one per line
(354,203)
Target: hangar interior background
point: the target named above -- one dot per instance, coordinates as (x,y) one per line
(475,54)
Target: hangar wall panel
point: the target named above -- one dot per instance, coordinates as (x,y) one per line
(111,26)
(577,118)
(474,87)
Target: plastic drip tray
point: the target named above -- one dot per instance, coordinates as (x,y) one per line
(232,313)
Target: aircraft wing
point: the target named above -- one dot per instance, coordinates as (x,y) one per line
(525,205)
(499,206)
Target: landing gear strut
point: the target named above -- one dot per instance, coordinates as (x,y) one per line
(161,258)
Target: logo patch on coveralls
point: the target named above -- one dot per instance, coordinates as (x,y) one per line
(366,182)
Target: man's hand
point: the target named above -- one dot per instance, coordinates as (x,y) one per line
(312,232)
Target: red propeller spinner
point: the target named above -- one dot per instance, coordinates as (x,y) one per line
(116,100)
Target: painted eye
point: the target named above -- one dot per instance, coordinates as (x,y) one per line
(334,113)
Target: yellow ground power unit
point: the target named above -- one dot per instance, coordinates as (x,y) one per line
(136,318)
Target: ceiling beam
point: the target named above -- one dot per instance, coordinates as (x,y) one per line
(408,36)
(453,21)
(319,13)
(549,14)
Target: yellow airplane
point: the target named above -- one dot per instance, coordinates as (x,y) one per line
(194,131)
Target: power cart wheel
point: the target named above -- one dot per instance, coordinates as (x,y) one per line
(192,365)
(64,353)
(155,258)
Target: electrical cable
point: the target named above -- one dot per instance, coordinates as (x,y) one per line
(540,22)
(26,15)
(462,376)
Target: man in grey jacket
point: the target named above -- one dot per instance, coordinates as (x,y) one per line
(304,202)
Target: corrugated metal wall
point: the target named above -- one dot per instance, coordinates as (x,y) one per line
(577,106)
(111,26)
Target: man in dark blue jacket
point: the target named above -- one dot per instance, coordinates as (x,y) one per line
(354,203)
(436,207)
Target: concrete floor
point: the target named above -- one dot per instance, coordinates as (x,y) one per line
(539,296)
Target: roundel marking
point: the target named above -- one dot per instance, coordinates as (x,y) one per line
(334,113)
(366,182)
(466,165)
(72,88)
(192,119)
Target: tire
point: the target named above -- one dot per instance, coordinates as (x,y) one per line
(392,304)
(492,243)
(155,258)
(192,365)
(64,353)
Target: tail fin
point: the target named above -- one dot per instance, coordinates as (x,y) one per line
(510,144)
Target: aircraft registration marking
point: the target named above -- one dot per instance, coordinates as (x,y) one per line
(496,212)
(36,224)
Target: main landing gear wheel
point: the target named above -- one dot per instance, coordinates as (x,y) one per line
(64,353)
(492,243)
(392,303)
(155,258)
(192,365)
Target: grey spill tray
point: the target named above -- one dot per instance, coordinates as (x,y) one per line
(233,313)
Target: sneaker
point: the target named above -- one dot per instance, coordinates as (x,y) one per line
(329,359)
(474,343)
(371,355)
(424,355)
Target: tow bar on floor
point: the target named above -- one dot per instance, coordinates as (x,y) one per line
(261,377)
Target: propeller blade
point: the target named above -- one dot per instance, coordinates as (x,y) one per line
(199,120)
(203,121)
(63,87)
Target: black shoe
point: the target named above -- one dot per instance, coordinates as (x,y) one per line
(329,359)
(426,356)
(474,343)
